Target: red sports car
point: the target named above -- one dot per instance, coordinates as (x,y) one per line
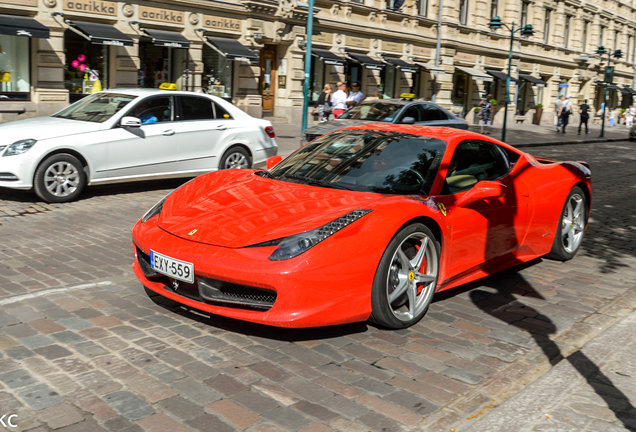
(366,222)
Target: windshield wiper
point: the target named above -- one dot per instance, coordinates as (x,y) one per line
(316,182)
(267,174)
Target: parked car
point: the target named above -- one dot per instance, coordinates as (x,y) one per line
(632,132)
(363,223)
(397,111)
(129,135)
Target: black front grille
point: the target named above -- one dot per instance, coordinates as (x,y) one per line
(144,264)
(217,291)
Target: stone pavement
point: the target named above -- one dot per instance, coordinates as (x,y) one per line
(82,347)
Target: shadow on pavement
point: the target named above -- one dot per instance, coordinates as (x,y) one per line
(508,308)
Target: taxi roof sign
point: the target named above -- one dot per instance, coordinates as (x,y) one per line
(168,86)
(407,95)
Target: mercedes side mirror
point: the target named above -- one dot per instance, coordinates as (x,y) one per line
(127,121)
(273,161)
(408,120)
(481,191)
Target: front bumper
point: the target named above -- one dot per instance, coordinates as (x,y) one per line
(317,288)
(15,172)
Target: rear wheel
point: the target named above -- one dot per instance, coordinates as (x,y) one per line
(235,157)
(571,227)
(406,278)
(59,178)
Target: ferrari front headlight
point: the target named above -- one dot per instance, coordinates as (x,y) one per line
(19,147)
(155,209)
(299,243)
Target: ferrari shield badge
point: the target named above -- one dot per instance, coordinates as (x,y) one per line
(442,208)
(192,232)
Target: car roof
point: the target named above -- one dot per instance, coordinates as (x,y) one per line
(149,91)
(395,101)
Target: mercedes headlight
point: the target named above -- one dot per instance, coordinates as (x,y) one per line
(155,209)
(19,147)
(299,243)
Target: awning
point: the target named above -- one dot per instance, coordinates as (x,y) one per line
(22,26)
(367,61)
(613,87)
(477,75)
(435,71)
(167,38)
(231,49)
(327,56)
(402,65)
(532,80)
(102,34)
(624,91)
(501,75)
(631,90)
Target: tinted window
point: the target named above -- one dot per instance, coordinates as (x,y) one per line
(220,112)
(153,110)
(414,111)
(370,161)
(433,113)
(196,108)
(97,108)
(474,161)
(380,111)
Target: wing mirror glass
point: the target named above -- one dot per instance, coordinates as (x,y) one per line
(273,161)
(481,191)
(408,120)
(130,122)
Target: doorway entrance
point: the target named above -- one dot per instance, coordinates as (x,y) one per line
(268,77)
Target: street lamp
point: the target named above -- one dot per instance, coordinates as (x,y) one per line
(496,23)
(609,75)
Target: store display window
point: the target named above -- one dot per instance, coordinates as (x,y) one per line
(15,81)
(218,73)
(86,68)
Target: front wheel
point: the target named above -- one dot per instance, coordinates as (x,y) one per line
(571,226)
(59,178)
(406,278)
(235,157)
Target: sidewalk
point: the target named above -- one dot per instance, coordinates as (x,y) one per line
(592,389)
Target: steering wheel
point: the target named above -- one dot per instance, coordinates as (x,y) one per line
(419,176)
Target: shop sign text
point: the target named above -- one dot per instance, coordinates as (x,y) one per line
(93,6)
(217,22)
(163,15)
(358,42)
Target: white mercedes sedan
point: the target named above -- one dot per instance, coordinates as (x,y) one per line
(126,135)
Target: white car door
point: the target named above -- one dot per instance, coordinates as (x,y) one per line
(149,150)
(204,128)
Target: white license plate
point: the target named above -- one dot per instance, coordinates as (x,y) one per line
(181,270)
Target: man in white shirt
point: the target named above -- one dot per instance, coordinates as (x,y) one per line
(339,100)
(355,96)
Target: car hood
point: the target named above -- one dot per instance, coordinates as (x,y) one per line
(332,125)
(236,208)
(43,128)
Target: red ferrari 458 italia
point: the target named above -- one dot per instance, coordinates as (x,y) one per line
(364,223)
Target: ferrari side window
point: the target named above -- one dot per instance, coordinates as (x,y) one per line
(474,161)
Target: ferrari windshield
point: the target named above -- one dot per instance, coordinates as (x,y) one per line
(378,111)
(96,108)
(366,160)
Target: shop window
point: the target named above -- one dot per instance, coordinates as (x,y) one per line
(15,82)
(160,65)
(86,68)
(388,82)
(563,87)
(463,12)
(219,72)
(317,78)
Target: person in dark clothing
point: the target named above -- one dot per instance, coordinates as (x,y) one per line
(324,104)
(585,116)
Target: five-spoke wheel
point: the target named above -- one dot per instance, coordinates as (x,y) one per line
(571,227)
(406,278)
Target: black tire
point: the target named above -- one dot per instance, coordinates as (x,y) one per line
(564,249)
(398,312)
(59,178)
(235,157)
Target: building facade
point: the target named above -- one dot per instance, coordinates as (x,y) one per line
(251,52)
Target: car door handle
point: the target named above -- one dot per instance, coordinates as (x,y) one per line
(169,132)
(220,127)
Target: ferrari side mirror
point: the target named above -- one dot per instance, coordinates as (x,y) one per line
(481,191)
(273,161)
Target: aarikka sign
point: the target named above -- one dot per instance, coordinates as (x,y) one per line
(7,420)
(93,6)
(163,15)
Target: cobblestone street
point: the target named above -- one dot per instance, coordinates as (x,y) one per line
(83,347)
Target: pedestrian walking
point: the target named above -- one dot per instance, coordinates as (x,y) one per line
(485,113)
(355,96)
(585,116)
(564,113)
(339,99)
(324,104)
(612,118)
(629,116)
(559,104)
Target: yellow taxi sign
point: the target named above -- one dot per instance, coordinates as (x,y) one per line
(168,86)
(408,95)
